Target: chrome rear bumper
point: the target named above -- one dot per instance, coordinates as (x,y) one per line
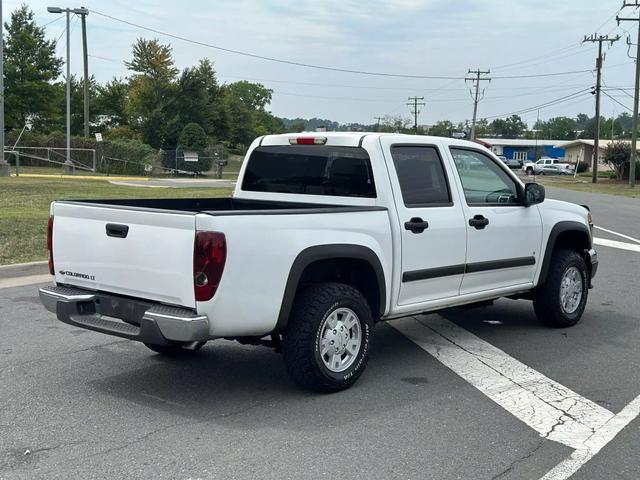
(134,319)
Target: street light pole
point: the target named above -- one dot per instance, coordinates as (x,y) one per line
(4,166)
(68,161)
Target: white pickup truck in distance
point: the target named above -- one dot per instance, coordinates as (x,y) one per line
(325,235)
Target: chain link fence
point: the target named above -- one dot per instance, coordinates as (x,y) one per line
(83,159)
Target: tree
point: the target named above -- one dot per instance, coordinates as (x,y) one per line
(239,120)
(482,127)
(611,129)
(254,95)
(557,128)
(512,127)
(581,121)
(396,123)
(110,103)
(30,68)
(442,128)
(152,59)
(625,122)
(198,98)
(193,137)
(617,157)
(152,93)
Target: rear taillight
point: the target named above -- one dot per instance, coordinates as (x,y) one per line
(209,256)
(50,245)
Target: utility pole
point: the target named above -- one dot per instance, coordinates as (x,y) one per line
(599,39)
(68,12)
(378,120)
(5,171)
(475,81)
(636,97)
(83,17)
(413,102)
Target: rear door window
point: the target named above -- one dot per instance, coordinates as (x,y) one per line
(421,176)
(310,170)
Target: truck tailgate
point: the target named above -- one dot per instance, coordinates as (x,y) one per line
(136,252)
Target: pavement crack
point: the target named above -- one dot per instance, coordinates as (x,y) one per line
(530,388)
(518,461)
(54,447)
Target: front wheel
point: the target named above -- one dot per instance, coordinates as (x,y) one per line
(561,300)
(327,341)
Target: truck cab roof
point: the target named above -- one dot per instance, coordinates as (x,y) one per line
(353,139)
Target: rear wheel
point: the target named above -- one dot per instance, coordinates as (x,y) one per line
(561,300)
(327,340)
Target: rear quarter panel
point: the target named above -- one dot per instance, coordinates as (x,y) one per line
(261,249)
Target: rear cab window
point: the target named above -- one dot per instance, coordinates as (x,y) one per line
(311,170)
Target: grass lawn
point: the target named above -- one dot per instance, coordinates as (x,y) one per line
(24,208)
(604,185)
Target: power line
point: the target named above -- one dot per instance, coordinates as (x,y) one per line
(555,74)
(52,21)
(550,103)
(319,67)
(372,87)
(619,103)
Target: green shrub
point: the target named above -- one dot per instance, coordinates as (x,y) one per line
(192,139)
(128,157)
(583,167)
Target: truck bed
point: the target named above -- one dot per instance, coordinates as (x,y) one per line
(144,248)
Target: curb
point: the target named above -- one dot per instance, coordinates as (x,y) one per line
(82,177)
(24,269)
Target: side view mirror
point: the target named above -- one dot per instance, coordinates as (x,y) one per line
(533,194)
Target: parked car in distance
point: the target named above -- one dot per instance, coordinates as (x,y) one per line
(510,162)
(534,168)
(325,235)
(555,169)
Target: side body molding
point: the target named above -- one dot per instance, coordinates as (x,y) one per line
(558,228)
(327,252)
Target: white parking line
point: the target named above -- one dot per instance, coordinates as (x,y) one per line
(595,443)
(621,235)
(605,242)
(551,409)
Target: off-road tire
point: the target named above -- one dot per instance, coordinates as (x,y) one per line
(547,304)
(300,345)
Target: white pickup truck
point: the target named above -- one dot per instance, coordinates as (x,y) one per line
(325,235)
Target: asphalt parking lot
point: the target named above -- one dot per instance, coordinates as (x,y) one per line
(77,404)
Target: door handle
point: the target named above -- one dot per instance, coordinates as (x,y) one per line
(416,225)
(118,231)
(478,222)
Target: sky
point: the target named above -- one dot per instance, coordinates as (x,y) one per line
(401,37)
